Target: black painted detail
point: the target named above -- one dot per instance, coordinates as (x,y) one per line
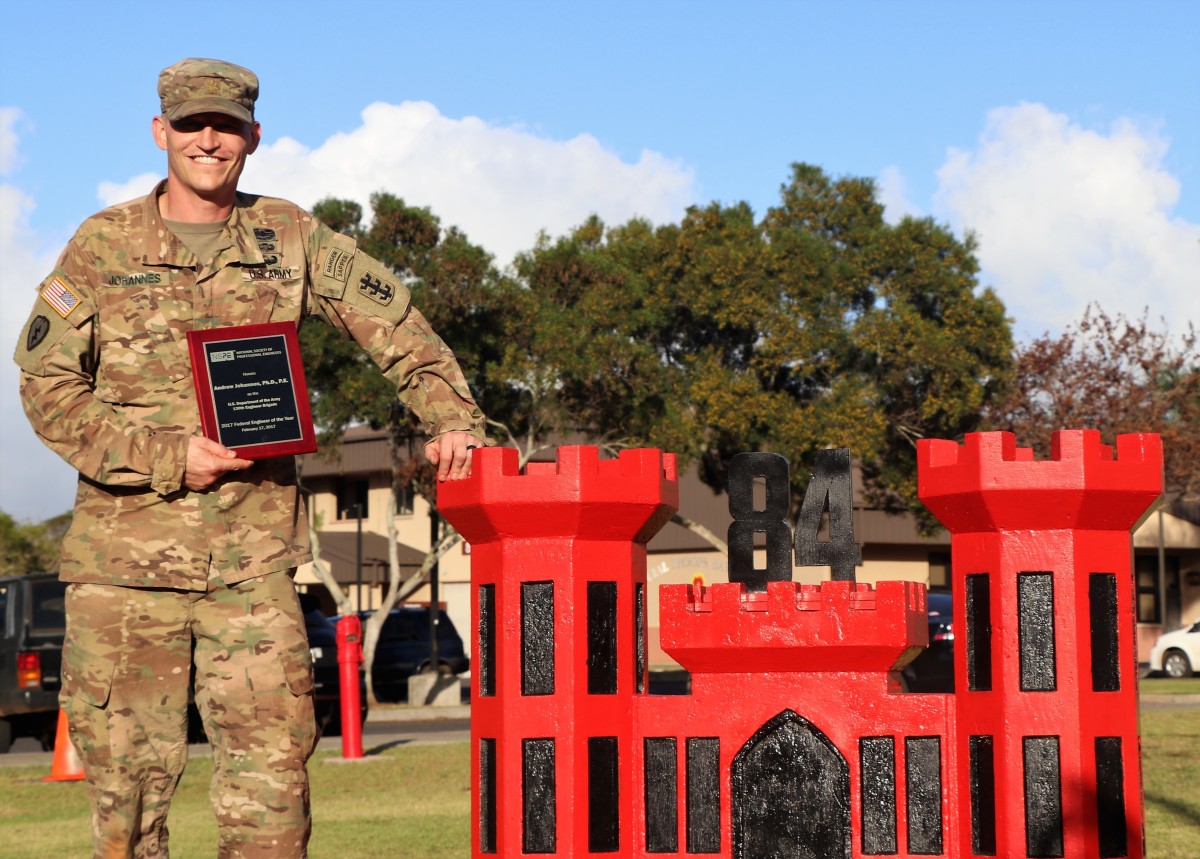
(662,794)
(538,796)
(771,520)
(602,638)
(1102,602)
(1043,798)
(639,637)
(923,784)
(877,762)
(979,632)
(537,638)
(983,795)
(1110,798)
(487,640)
(604,820)
(703,795)
(1035,631)
(790,793)
(831,485)
(487,795)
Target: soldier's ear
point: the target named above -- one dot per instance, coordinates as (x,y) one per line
(159,126)
(255,137)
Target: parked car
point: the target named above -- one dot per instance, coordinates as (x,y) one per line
(403,650)
(32,626)
(1177,654)
(322,641)
(933,670)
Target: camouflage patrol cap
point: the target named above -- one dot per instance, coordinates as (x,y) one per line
(195,85)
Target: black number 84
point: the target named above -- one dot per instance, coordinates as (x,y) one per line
(829,488)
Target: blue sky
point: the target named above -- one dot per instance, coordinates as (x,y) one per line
(1065,135)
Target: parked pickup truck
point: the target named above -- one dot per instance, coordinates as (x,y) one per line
(32,625)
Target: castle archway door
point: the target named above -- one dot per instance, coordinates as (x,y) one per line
(791,793)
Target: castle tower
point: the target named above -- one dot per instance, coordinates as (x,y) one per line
(1045,667)
(558,612)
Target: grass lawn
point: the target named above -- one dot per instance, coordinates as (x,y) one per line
(1167,686)
(415,802)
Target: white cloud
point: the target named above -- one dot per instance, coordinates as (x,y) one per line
(892,191)
(112,193)
(34,483)
(1068,216)
(500,185)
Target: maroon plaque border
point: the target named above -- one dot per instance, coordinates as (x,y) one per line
(206,398)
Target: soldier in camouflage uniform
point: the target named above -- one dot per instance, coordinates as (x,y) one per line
(181,552)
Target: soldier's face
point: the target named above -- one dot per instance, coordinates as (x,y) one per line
(206,153)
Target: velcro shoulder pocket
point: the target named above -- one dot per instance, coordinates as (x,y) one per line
(58,311)
(375,290)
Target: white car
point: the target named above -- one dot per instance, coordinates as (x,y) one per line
(1177,654)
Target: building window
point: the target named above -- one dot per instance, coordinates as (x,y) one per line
(404,500)
(1149,602)
(352,498)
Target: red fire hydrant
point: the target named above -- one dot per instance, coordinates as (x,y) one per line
(350,656)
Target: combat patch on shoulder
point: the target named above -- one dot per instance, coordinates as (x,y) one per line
(376,290)
(60,296)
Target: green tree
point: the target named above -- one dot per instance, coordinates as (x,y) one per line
(28,547)
(820,325)
(452,282)
(1114,375)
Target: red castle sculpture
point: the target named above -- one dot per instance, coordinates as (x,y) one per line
(796,739)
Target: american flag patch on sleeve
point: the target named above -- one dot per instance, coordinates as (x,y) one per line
(59,296)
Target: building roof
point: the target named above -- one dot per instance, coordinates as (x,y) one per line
(339,549)
(363,451)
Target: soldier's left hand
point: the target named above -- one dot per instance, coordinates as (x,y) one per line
(451,453)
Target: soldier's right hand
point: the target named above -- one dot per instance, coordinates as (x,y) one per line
(208,461)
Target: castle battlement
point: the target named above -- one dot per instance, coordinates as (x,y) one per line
(832,626)
(989,484)
(577,495)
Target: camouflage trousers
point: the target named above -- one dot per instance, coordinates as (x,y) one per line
(127,667)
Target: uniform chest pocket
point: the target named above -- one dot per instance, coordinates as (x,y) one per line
(143,341)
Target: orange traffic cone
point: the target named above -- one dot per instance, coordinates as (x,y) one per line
(66,765)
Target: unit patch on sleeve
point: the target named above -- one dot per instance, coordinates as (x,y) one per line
(39,327)
(59,296)
(376,289)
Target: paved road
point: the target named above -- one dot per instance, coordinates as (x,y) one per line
(379,734)
(388,727)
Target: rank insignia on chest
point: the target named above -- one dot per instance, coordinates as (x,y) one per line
(59,296)
(376,289)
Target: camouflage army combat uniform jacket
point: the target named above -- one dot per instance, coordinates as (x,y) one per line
(107,383)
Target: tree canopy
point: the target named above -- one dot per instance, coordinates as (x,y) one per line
(817,325)
(1115,375)
(29,547)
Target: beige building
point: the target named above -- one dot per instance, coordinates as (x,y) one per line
(358,479)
